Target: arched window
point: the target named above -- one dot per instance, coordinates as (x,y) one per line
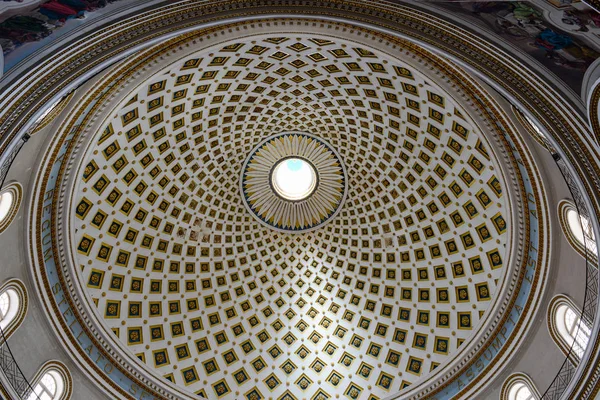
(578,229)
(519,387)
(581,228)
(6,201)
(520,391)
(10,200)
(52,382)
(4,305)
(13,305)
(567,328)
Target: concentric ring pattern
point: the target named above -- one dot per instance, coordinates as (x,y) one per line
(201,292)
(262,199)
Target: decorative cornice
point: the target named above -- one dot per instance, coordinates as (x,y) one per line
(533,94)
(423,53)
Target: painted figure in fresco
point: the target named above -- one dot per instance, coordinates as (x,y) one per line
(581,18)
(568,49)
(22,29)
(520,20)
(43,21)
(564,51)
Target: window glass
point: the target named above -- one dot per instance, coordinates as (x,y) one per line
(4,305)
(10,199)
(581,228)
(48,387)
(9,307)
(520,391)
(6,202)
(519,386)
(49,383)
(574,331)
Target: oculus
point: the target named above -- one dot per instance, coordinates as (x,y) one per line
(294,179)
(293,182)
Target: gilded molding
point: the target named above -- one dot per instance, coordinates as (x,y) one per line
(457,81)
(593,111)
(576,138)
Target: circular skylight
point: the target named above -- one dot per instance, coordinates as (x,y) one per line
(294,179)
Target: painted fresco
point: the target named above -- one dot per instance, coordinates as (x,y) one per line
(31,26)
(564,36)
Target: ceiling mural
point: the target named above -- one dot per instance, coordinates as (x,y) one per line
(397,275)
(24,24)
(561,35)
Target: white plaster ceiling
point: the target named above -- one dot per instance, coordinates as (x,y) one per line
(221,305)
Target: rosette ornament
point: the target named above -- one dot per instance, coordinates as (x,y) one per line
(293,182)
